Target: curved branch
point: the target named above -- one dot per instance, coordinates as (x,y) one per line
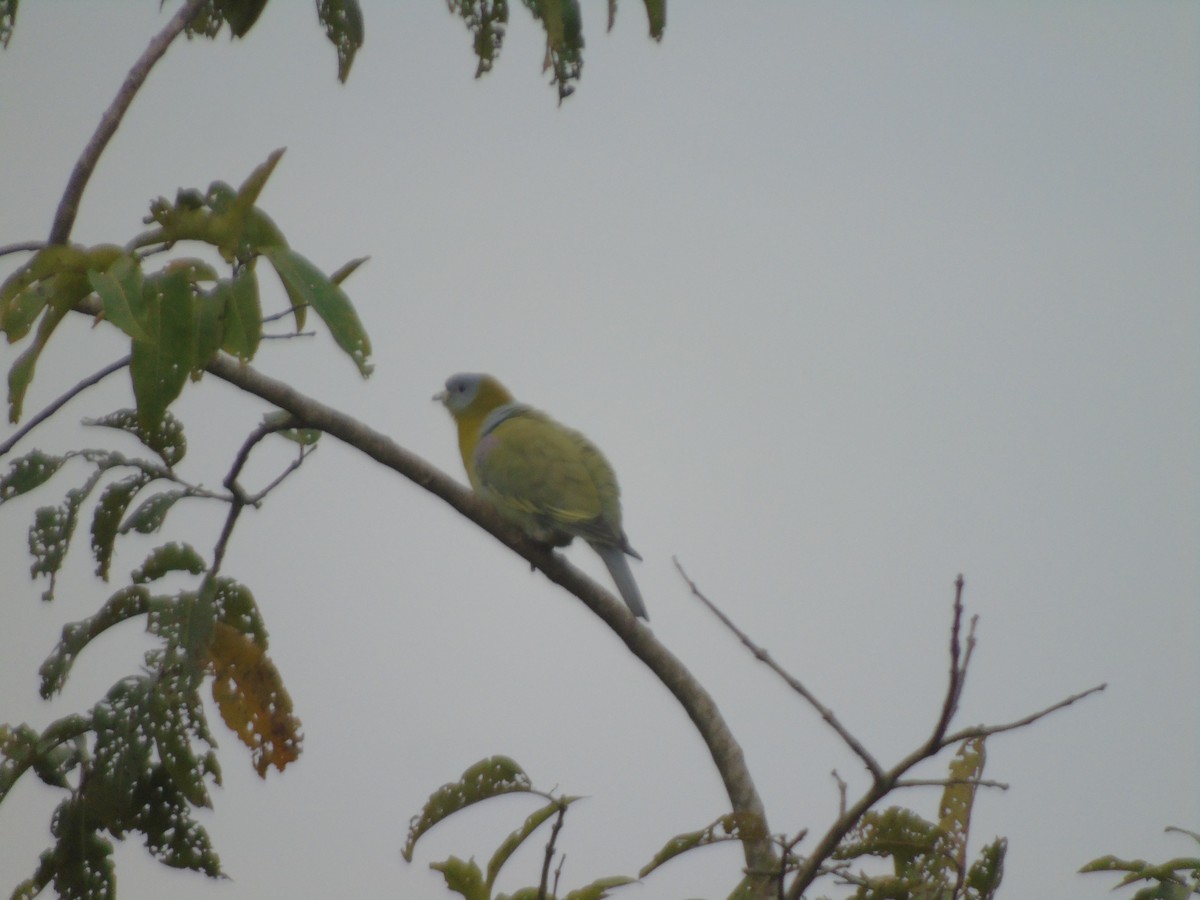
(68,206)
(62,401)
(696,701)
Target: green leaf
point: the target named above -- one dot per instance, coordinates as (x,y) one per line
(656,15)
(168,558)
(106,520)
(149,515)
(8,19)
(179,721)
(81,860)
(172,835)
(306,285)
(347,269)
(487,20)
(984,877)
(209,309)
(463,877)
(242,325)
(25,308)
(166,438)
(126,603)
(343,21)
(65,290)
(510,844)
(159,365)
(247,193)
(490,777)
(121,289)
(235,606)
(28,472)
(729,827)
(241,14)
(954,813)
(51,532)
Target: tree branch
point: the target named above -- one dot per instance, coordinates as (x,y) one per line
(62,401)
(763,656)
(696,701)
(68,206)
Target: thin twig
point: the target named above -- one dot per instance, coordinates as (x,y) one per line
(763,656)
(558,823)
(947,782)
(954,683)
(841,792)
(22,247)
(62,401)
(979,731)
(68,206)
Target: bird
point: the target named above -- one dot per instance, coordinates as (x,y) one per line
(547,479)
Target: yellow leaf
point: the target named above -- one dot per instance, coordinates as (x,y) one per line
(252,699)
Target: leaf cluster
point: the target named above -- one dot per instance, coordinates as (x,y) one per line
(487,20)
(180,316)
(493,777)
(1176,879)
(140,760)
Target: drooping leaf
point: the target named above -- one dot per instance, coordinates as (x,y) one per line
(173,837)
(64,291)
(121,290)
(8,19)
(343,21)
(126,603)
(984,877)
(28,472)
(491,777)
(487,21)
(166,438)
(729,827)
(160,364)
(563,24)
(209,309)
(656,15)
(179,725)
(110,509)
(510,844)
(81,860)
(249,692)
(51,532)
(306,284)
(242,325)
(24,309)
(235,606)
(168,558)
(151,512)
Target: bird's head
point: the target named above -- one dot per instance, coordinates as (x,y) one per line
(472,395)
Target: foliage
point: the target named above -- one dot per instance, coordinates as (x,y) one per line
(1175,879)
(141,758)
(489,778)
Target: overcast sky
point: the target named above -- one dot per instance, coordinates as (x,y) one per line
(855,297)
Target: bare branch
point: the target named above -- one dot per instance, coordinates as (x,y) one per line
(841,792)
(544,884)
(68,206)
(62,401)
(988,730)
(947,782)
(763,656)
(22,247)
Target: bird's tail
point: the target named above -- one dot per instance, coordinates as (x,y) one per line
(618,566)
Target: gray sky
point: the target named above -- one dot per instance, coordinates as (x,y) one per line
(855,297)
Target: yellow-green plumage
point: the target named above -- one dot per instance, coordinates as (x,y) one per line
(548,479)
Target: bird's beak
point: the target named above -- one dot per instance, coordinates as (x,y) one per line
(440,396)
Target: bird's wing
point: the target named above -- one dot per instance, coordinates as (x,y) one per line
(540,474)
